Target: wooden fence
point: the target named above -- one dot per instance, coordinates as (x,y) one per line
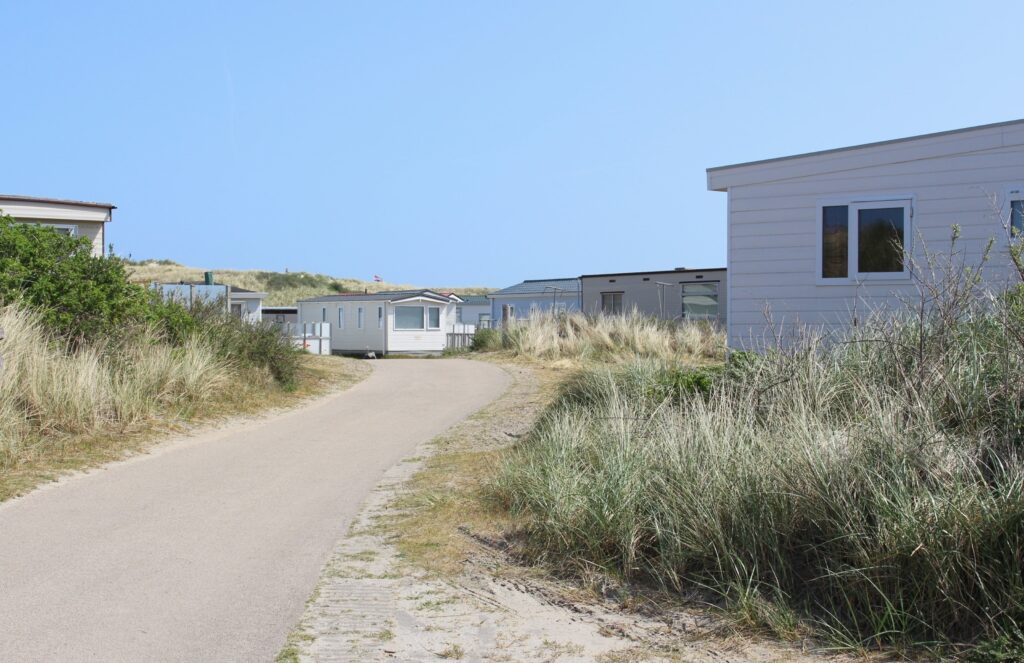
(458,340)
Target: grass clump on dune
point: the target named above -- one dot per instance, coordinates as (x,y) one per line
(604,337)
(869,487)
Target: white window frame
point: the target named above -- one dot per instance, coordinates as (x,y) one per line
(341,316)
(423,318)
(1013,194)
(854,203)
(71,228)
(380,317)
(323,314)
(360,315)
(428,310)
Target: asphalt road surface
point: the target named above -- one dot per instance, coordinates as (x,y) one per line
(207,548)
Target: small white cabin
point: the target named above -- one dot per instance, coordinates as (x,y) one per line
(72,217)
(818,239)
(400,322)
(674,294)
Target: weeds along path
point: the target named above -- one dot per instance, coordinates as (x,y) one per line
(426,572)
(207,549)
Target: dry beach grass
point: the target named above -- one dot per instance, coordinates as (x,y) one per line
(62,409)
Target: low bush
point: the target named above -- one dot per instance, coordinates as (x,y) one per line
(80,296)
(486,339)
(870,484)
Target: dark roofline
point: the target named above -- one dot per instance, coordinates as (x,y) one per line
(894,141)
(390,296)
(680,270)
(567,278)
(57,201)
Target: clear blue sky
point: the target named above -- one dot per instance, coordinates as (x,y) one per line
(465,142)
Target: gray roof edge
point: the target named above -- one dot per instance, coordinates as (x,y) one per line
(657,271)
(892,141)
(56,201)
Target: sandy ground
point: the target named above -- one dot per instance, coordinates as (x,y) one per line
(207,548)
(371,605)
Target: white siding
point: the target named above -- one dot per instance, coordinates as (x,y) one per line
(773,223)
(351,339)
(420,341)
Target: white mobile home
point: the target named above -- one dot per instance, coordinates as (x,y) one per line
(401,322)
(535,296)
(673,294)
(816,239)
(72,217)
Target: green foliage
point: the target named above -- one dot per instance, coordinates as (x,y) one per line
(872,486)
(81,296)
(86,299)
(486,339)
(1007,647)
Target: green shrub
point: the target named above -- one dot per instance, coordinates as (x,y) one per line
(486,339)
(80,296)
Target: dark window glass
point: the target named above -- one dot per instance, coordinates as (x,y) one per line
(1017,217)
(835,241)
(880,240)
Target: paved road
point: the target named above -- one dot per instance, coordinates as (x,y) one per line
(207,549)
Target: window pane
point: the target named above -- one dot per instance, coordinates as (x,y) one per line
(611,302)
(435,317)
(408,317)
(835,241)
(1017,217)
(341,318)
(700,301)
(880,240)
(359,317)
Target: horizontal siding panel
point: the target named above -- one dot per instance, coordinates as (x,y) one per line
(770,240)
(922,149)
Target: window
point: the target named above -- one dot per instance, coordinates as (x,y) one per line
(341,317)
(359,317)
(1017,218)
(611,302)
(835,241)
(323,314)
(71,231)
(236,309)
(484,320)
(864,240)
(408,317)
(458,314)
(433,317)
(380,317)
(700,301)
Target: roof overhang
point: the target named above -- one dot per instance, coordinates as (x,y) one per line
(925,146)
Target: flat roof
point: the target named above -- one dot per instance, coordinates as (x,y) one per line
(678,270)
(56,201)
(880,143)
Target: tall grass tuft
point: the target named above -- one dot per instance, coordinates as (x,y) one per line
(604,337)
(49,393)
(872,484)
